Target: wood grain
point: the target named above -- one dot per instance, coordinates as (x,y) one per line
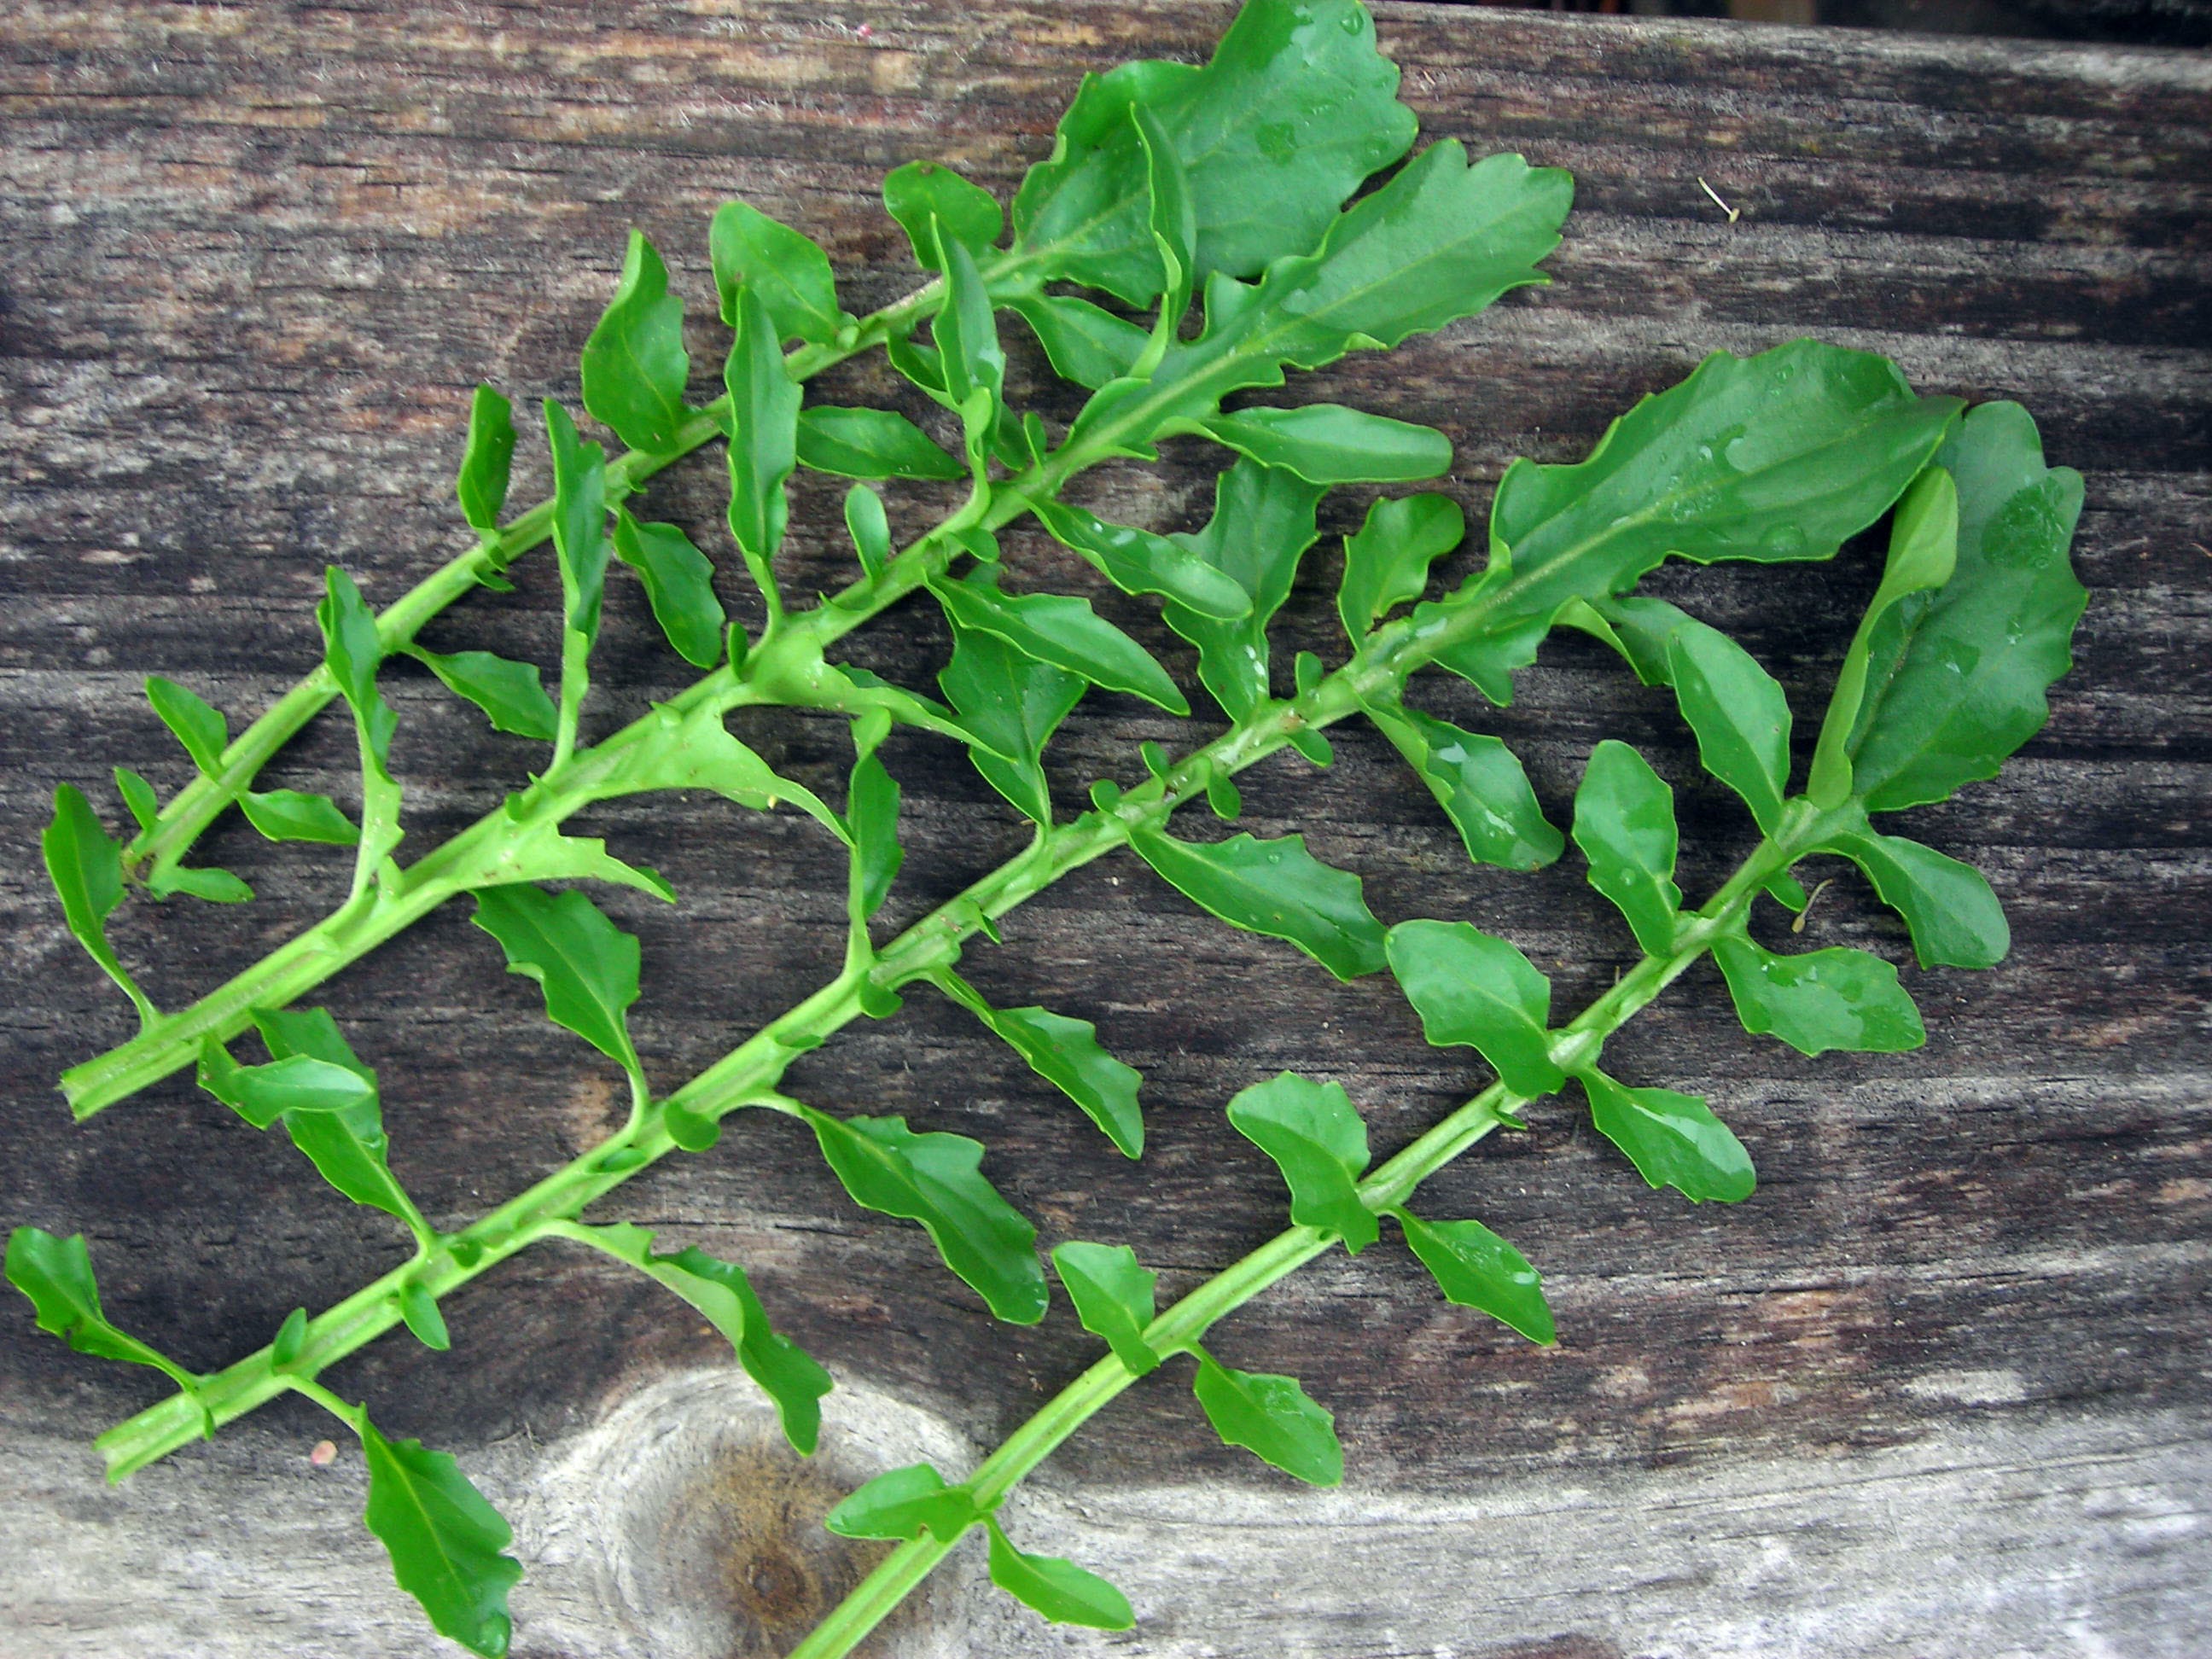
(1938,1389)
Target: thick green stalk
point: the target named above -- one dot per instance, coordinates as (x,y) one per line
(1188,1321)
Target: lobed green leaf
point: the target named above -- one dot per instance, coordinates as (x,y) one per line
(298,1083)
(1113,1295)
(1471,987)
(1013,703)
(585,965)
(56,1273)
(1478,782)
(634,364)
(445,1542)
(202,729)
(1329,444)
(871,805)
(919,191)
(694,749)
(871,443)
(899,1503)
(1320,1143)
(1740,715)
(348,1146)
(1056,1588)
(1955,918)
(1476,1268)
(679,584)
(1276,888)
(510,693)
(85,864)
(1085,344)
(1067,1053)
(1138,562)
(763,440)
(787,272)
(1272,1417)
(1625,825)
(1262,524)
(1834,999)
(1387,563)
(1063,631)
(1673,1139)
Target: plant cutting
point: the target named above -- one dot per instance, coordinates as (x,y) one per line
(1780,456)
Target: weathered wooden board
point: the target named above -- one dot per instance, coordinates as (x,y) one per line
(1940,1388)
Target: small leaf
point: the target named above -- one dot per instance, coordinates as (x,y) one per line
(1274,1418)
(1471,988)
(138,798)
(1064,632)
(1056,1588)
(764,442)
(1138,562)
(1065,1053)
(1955,919)
(542,852)
(871,443)
(295,815)
(871,807)
(585,964)
(298,1083)
(921,190)
(899,1503)
(1319,1143)
(482,482)
(291,1338)
(787,271)
(418,1311)
(1673,1139)
(679,584)
(634,364)
(580,536)
(445,1540)
(1387,563)
(1822,999)
(1113,1295)
(202,730)
(1172,221)
(1638,628)
(693,750)
(1480,784)
(56,1273)
(932,1178)
(1476,1268)
(1276,888)
(1262,524)
(86,867)
(215,886)
(1013,703)
(1740,715)
(1625,825)
(1329,444)
(510,693)
(967,335)
(348,1146)
(870,530)
(1085,343)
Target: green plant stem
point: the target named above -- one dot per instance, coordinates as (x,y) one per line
(1187,1321)
(751,1071)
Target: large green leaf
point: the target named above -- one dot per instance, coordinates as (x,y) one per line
(1955,919)
(1295,109)
(1138,562)
(1066,632)
(1066,1053)
(1387,563)
(1276,888)
(1014,703)
(787,272)
(585,965)
(1055,1587)
(764,439)
(723,1295)
(934,1179)
(1673,1139)
(1625,825)
(485,460)
(1274,1418)
(1473,988)
(348,1145)
(1476,1268)
(679,583)
(1955,679)
(922,191)
(634,364)
(1320,1143)
(446,1543)
(1329,444)
(1478,782)
(1822,999)
(899,1503)
(56,1273)
(1740,715)
(1113,1297)
(85,864)
(510,694)
(871,443)
(1262,524)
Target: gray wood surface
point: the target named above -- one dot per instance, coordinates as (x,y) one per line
(1938,1388)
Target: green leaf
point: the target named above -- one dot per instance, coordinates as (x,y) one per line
(693,750)
(1476,1268)
(871,807)
(1113,1295)
(580,527)
(542,852)
(418,1311)
(1055,1587)
(967,335)
(764,440)
(1625,825)
(1296,108)
(1387,563)
(294,815)
(215,886)
(138,798)
(1065,1053)
(1262,524)
(871,443)
(348,1146)
(899,1503)
(1923,551)
(1085,343)
(932,1178)
(1955,680)
(1274,1418)
(1955,919)
(1740,715)
(1673,1139)
(1480,784)
(56,1273)
(921,190)
(1319,1143)
(1822,999)
(300,1083)
(1638,628)
(291,1338)
(679,583)
(585,965)
(799,676)
(446,1543)
(871,530)
(1471,988)
(1329,444)
(1138,562)
(1013,703)
(86,867)
(482,482)
(725,1297)
(1173,221)
(1063,631)
(634,364)
(510,694)
(1276,888)
(787,272)
(202,730)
